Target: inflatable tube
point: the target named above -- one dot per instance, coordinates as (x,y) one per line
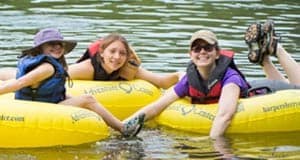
(35,124)
(277,112)
(122,98)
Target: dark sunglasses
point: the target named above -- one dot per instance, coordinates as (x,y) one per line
(53,43)
(207,48)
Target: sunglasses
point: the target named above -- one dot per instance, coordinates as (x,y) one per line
(207,48)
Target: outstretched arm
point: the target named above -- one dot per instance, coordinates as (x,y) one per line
(227,107)
(156,107)
(33,77)
(163,81)
(7,73)
(82,70)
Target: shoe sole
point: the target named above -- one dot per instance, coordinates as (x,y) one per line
(254,42)
(272,40)
(137,129)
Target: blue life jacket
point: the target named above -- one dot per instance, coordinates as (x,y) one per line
(50,90)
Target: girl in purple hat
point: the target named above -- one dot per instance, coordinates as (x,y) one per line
(108,59)
(41,76)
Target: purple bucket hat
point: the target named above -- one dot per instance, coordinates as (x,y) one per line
(49,35)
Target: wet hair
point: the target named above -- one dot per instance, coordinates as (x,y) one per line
(109,40)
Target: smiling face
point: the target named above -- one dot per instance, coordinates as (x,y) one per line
(203,54)
(54,49)
(114,56)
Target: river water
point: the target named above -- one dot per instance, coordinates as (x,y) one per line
(159,30)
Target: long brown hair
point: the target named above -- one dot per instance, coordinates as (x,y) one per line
(106,41)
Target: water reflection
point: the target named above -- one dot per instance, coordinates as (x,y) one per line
(119,148)
(165,143)
(244,146)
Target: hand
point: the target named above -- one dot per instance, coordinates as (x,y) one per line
(221,145)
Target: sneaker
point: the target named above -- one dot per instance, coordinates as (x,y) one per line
(133,126)
(271,37)
(254,38)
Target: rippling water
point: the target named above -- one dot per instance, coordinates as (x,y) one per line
(159,31)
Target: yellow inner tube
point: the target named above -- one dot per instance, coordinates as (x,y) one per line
(37,124)
(277,112)
(121,98)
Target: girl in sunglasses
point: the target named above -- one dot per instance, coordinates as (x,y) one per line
(211,77)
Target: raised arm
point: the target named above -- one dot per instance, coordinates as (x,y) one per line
(156,107)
